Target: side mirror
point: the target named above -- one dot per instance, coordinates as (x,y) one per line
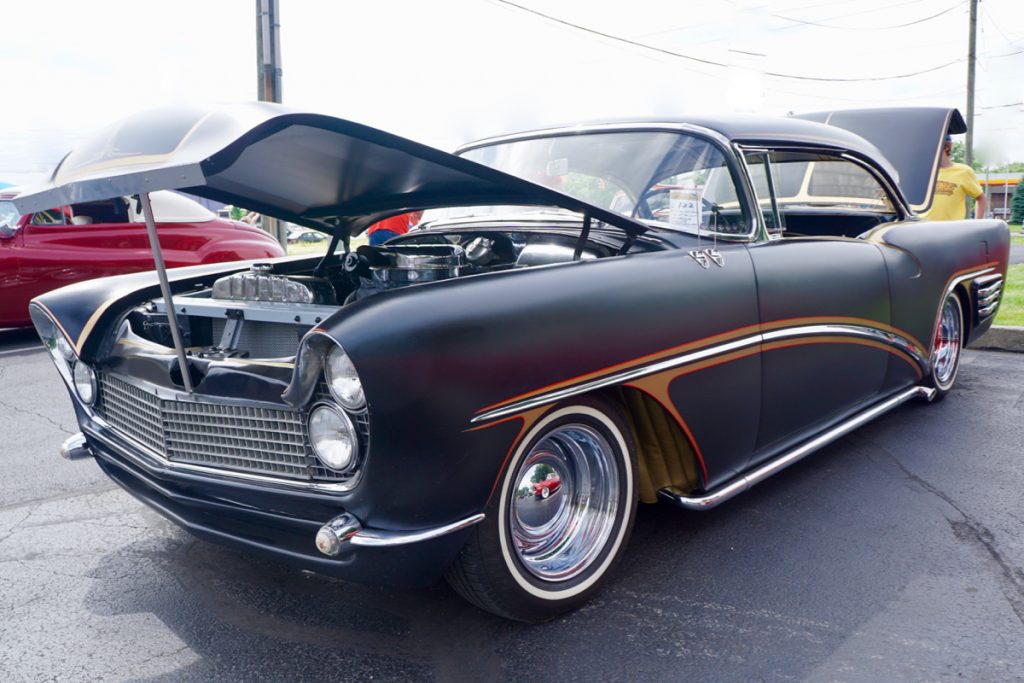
(7,230)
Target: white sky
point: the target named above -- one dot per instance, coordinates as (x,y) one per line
(449,72)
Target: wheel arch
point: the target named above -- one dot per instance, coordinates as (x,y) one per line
(967,311)
(665,455)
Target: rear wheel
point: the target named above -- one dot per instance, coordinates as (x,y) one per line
(945,359)
(533,558)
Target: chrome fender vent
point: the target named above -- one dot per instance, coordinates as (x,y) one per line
(988,292)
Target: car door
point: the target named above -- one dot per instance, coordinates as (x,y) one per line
(823,296)
(89,241)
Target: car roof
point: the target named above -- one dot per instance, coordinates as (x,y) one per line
(905,142)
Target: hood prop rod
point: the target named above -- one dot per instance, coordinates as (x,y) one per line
(584,234)
(165,288)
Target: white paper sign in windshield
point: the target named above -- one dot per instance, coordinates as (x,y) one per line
(684,208)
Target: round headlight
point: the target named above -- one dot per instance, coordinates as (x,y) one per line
(333,437)
(85,382)
(343,380)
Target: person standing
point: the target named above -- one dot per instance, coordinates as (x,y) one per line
(955,183)
(382,231)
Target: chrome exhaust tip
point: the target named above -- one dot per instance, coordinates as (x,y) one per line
(333,535)
(75,448)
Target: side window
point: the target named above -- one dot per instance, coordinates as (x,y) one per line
(48,217)
(817,194)
(106,211)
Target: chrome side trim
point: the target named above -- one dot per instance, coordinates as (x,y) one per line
(744,482)
(861,331)
(377,538)
(156,464)
(617,378)
(856,331)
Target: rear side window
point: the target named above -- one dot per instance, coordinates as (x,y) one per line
(818,180)
(817,194)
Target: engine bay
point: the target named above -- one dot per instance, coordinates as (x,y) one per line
(263,313)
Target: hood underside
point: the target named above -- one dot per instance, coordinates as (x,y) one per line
(910,138)
(323,172)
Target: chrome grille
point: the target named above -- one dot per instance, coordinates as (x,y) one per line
(230,437)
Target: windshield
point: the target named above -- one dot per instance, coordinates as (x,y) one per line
(8,214)
(676,179)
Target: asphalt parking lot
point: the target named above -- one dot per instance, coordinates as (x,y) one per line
(895,554)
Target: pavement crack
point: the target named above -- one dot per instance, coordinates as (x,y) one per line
(45,418)
(102,487)
(14,527)
(973,531)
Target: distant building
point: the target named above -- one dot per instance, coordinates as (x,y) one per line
(999,188)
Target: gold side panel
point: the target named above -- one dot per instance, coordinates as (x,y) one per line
(664,456)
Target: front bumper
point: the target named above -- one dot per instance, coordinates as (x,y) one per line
(276,523)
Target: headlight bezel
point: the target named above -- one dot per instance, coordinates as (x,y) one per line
(92,384)
(341,376)
(326,408)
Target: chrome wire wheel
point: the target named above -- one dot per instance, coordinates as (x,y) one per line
(946,348)
(558,536)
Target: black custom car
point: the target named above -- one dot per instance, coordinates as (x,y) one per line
(639,310)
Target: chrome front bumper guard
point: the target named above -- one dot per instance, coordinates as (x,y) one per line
(333,535)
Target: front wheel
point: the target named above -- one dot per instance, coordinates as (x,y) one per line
(533,559)
(945,358)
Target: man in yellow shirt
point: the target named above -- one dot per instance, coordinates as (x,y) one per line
(955,182)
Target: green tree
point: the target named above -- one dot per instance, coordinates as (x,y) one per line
(541,472)
(1017,205)
(1012,167)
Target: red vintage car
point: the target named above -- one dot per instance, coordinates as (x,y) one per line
(50,249)
(543,489)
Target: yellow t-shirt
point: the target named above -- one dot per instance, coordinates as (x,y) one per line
(955,182)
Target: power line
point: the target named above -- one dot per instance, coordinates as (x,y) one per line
(799,22)
(872,100)
(995,25)
(868,28)
(865,79)
(700,60)
(1004,106)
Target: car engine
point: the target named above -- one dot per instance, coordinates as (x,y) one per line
(262,313)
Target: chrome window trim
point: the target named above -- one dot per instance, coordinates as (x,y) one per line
(858,331)
(895,197)
(630,127)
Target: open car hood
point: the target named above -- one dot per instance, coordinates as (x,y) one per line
(909,137)
(323,172)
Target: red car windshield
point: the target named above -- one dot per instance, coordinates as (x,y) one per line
(8,214)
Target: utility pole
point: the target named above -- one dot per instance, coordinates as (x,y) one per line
(971,59)
(268,69)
